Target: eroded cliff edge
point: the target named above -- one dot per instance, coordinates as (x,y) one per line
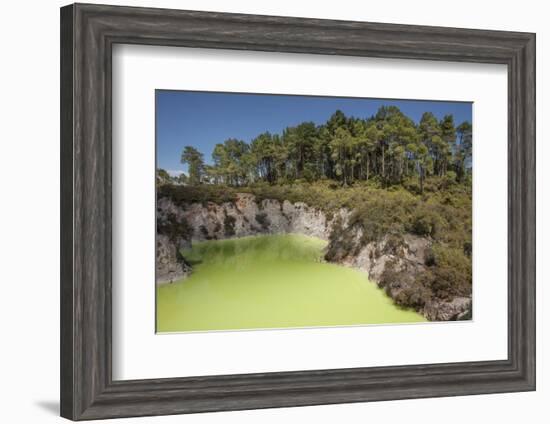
(400,264)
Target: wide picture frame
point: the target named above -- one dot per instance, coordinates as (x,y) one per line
(88,34)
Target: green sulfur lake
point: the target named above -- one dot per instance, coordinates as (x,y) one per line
(271,281)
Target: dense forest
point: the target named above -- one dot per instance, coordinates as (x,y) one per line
(387,146)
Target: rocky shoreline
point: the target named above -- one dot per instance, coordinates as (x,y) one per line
(392,262)
(171,265)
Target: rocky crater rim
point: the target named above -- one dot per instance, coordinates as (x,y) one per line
(393,262)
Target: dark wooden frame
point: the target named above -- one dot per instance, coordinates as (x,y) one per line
(88,33)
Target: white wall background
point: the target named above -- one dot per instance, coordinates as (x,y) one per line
(29,214)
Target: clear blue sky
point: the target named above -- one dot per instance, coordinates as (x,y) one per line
(203,119)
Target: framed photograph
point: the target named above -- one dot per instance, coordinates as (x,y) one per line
(265,211)
(303,225)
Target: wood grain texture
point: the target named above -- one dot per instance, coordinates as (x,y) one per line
(66,212)
(88,33)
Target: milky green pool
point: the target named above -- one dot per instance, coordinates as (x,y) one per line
(272,281)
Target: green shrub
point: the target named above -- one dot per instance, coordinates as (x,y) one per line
(203,193)
(449,273)
(450,178)
(422,225)
(427,221)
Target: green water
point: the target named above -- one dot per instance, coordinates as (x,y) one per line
(271,281)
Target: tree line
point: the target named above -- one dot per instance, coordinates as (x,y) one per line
(388,146)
